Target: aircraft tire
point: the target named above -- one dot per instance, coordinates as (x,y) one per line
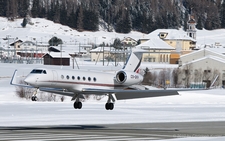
(77,105)
(34,98)
(109,106)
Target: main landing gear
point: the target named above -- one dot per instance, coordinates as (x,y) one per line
(77,104)
(110,103)
(108,106)
(34,96)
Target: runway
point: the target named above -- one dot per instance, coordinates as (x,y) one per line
(115,132)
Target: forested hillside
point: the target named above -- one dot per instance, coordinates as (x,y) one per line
(121,15)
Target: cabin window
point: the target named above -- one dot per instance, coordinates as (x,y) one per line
(94,79)
(78,77)
(84,78)
(89,78)
(73,77)
(62,76)
(67,77)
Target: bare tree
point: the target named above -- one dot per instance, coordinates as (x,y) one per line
(207,75)
(162,78)
(24,92)
(147,77)
(175,76)
(187,75)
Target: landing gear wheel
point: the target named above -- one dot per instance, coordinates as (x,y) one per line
(34,98)
(77,105)
(109,106)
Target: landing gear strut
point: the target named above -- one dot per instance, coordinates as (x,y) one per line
(110,103)
(34,97)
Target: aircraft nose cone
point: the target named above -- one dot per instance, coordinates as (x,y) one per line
(29,80)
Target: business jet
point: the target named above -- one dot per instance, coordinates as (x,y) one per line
(77,83)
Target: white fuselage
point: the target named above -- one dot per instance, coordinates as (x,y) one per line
(75,80)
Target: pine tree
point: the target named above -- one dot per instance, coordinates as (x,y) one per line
(80,19)
(35,8)
(222,15)
(24,23)
(3,6)
(199,23)
(90,21)
(127,25)
(63,14)
(11,9)
(23,6)
(72,20)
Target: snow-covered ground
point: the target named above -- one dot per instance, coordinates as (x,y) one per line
(191,106)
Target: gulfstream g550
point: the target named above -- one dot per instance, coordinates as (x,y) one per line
(76,83)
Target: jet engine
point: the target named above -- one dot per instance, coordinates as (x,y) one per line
(128,78)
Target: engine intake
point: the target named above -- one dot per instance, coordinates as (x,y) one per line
(121,77)
(128,78)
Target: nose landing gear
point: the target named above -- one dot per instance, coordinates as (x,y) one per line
(34,96)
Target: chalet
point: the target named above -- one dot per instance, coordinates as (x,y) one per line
(128,41)
(57,58)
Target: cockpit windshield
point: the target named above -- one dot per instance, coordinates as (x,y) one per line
(38,71)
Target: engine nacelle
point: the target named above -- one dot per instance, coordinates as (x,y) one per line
(128,78)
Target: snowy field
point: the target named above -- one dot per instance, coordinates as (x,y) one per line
(188,107)
(192,106)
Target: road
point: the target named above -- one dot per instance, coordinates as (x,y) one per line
(115,132)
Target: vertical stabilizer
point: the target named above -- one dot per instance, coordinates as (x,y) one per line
(133,61)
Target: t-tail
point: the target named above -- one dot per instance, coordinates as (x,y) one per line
(134,61)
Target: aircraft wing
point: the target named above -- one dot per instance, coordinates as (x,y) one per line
(131,94)
(120,94)
(57,91)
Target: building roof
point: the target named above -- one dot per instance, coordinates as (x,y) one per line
(219,51)
(58,55)
(155,43)
(219,59)
(100,49)
(70,48)
(172,34)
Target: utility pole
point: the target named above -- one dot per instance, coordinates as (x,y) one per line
(61,54)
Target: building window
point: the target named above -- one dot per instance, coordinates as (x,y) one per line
(207,71)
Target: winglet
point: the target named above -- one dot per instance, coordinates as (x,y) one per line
(13,80)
